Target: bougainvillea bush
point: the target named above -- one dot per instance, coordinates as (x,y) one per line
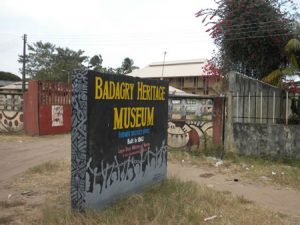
(249,34)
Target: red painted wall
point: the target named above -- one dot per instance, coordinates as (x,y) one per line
(30,107)
(38,103)
(45,118)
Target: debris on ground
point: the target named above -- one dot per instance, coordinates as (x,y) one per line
(210,218)
(27,193)
(219,163)
(212,158)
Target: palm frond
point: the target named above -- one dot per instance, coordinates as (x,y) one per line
(274,78)
(292,46)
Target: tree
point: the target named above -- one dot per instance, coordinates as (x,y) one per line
(127,66)
(45,61)
(9,76)
(39,60)
(291,66)
(66,60)
(95,63)
(249,34)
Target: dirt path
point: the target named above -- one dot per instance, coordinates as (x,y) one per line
(18,153)
(278,199)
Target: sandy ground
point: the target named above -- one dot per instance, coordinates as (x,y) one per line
(18,153)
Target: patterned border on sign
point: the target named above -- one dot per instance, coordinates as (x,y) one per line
(79,138)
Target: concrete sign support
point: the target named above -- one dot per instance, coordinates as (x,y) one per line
(119,136)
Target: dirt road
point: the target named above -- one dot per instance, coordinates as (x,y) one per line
(18,153)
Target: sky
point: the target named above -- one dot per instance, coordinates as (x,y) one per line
(139,29)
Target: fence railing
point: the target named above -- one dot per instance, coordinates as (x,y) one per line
(261,107)
(54,93)
(11,101)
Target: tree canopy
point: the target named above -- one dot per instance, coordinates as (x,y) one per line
(249,34)
(292,66)
(9,76)
(45,61)
(128,66)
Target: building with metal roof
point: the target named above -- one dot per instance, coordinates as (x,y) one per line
(187,75)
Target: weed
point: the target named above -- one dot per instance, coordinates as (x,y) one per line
(7,204)
(46,167)
(6,219)
(215,151)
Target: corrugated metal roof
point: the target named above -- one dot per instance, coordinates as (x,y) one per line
(5,82)
(179,93)
(182,68)
(15,86)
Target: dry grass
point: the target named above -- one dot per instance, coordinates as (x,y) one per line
(170,202)
(10,204)
(284,172)
(276,171)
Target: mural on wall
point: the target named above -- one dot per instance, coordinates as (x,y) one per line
(11,121)
(190,123)
(57,115)
(11,114)
(119,133)
(106,180)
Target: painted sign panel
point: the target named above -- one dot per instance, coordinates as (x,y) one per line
(57,115)
(119,136)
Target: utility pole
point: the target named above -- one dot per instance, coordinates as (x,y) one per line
(24,61)
(163,66)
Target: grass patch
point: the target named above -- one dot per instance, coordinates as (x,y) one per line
(6,219)
(47,167)
(194,157)
(282,171)
(170,202)
(265,169)
(7,204)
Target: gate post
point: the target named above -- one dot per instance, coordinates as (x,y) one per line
(31,108)
(218,120)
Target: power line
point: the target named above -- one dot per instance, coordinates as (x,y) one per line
(254,23)
(258,36)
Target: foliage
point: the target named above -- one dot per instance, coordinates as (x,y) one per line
(249,34)
(95,63)
(8,76)
(274,78)
(211,69)
(293,119)
(127,66)
(45,61)
(292,53)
